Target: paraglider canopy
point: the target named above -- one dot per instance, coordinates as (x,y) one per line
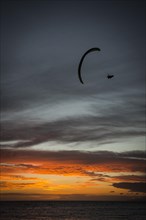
(82,59)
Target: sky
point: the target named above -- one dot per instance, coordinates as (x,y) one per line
(61,140)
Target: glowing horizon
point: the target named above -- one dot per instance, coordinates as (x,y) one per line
(29,174)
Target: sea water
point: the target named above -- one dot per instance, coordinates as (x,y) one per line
(60,210)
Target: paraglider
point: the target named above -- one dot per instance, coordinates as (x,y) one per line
(81,61)
(110,76)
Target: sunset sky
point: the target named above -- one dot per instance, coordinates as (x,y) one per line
(61,140)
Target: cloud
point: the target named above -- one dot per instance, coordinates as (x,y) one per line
(75,162)
(25,184)
(94,121)
(133,187)
(5,185)
(7,176)
(116,178)
(98,124)
(130,178)
(39,79)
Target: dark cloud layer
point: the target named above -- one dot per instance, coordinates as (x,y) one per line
(131,161)
(128,178)
(134,187)
(81,156)
(107,125)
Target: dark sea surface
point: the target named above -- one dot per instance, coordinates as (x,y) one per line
(57,210)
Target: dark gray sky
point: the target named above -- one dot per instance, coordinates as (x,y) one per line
(42,43)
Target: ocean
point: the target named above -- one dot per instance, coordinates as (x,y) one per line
(60,210)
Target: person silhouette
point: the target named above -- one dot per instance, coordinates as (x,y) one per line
(110,76)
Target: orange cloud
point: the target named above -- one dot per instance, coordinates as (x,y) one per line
(70,162)
(89,172)
(15,177)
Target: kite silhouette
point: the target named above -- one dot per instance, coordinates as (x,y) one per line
(82,59)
